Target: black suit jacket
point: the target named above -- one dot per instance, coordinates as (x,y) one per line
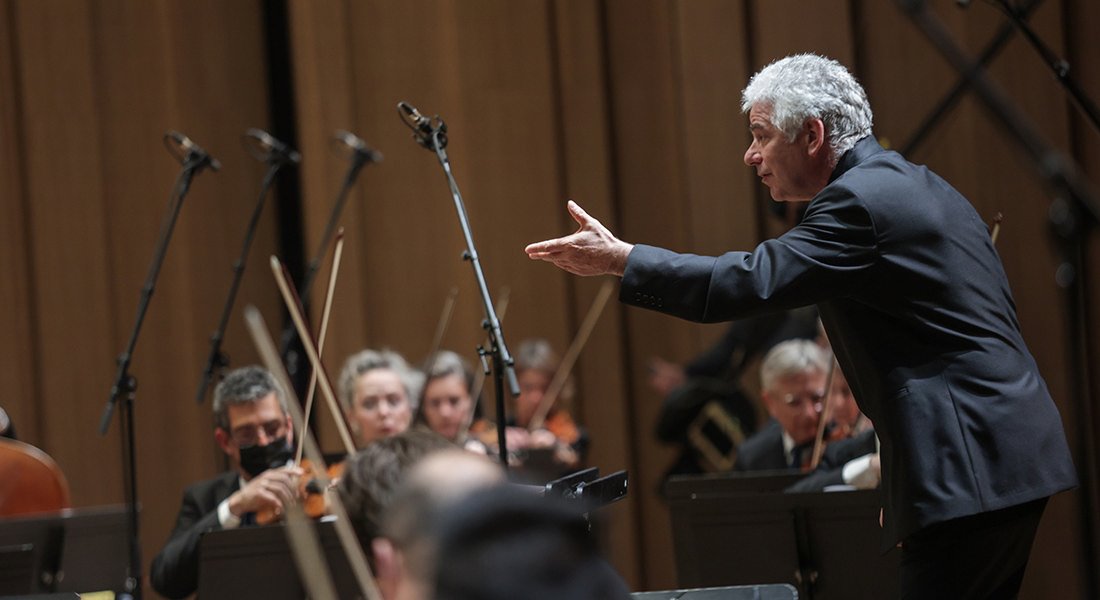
(917,306)
(175,570)
(763,451)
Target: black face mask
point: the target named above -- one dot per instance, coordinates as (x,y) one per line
(257,459)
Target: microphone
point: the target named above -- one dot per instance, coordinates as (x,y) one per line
(276,151)
(421,126)
(190,150)
(362,151)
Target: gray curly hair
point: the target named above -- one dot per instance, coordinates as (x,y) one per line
(244,386)
(808,86)
(791,357)
(368,360)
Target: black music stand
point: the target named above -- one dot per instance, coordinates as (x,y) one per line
(30,554)
(827,545)
(774,591)
(75,550)
(256,562)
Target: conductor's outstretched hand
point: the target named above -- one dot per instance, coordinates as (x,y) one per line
(591,250)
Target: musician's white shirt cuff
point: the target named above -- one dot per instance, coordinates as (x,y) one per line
(227,519)
(857,473)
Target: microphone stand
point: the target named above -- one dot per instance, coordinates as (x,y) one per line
(276,156)
(1059,66)
(1074,211)
(125,385)
(361,155)
(432,134)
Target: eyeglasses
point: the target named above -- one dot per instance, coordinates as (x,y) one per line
(804,399)
(249,435)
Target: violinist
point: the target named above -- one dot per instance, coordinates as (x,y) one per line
(792,382)
(851,458)
(378,390)
(559,444)
(446,406)
(252,427)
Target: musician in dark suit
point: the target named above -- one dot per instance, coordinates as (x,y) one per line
(917,306)
(253,428)
(792,385)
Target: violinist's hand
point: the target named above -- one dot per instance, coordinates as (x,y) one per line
(542,438)
(565,455)
(591,250)
(517,438)
(272,490)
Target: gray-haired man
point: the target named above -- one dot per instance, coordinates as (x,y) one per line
(917,306)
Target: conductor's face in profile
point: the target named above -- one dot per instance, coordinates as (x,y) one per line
(795,402)
(793,169)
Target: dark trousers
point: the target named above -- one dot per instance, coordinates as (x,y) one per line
(982,556)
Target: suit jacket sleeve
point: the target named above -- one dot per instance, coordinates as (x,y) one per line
(175,570)
(827,255)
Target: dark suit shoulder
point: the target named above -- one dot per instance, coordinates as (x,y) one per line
(762,451)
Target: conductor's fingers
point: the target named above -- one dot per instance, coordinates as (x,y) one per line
(541,249)
(578,214)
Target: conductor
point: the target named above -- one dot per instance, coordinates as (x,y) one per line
(917,305)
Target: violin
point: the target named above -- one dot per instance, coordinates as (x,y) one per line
(312,493)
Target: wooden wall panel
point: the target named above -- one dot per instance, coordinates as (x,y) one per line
(18,364)
(650,181)
(713,68)
(785,27)
(404,243)
(189,95)
(98,85)
(68,229)
(584,143)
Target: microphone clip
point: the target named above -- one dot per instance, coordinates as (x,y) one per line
(429,133)
(189,153)
(361,153)
(264,147)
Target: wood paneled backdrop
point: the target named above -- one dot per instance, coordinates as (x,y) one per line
(630,107)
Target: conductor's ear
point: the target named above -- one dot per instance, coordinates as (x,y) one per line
(815,136)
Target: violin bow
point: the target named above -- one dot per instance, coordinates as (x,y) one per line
(826,413)
(294,307)
(441,329)
(996,227)
(325,312)
(479,376)
(301,535)
(557,383)
(437,343)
